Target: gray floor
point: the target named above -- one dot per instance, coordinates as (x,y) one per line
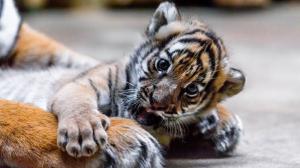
(264,43)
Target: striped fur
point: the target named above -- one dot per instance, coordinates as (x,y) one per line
(174,79)
(28,141)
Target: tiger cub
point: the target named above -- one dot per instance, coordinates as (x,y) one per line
(173,80)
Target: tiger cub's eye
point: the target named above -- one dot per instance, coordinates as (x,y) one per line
(191,89)
(162,65)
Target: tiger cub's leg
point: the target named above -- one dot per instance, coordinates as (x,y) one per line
(28,140)
(23,47)
(223,128)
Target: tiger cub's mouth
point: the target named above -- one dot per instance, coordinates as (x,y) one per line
(171,125)
(148,117)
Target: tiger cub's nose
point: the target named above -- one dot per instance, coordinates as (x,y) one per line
(159,106)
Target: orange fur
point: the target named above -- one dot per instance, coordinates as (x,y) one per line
(36,49)
(28,138)
(223,113)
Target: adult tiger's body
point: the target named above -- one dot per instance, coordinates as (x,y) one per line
(172,81)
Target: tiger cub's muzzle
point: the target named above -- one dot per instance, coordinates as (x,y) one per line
(160,102)
(161,98)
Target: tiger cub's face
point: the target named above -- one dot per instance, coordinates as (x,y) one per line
(182,69)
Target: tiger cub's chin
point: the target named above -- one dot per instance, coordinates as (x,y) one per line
(220,128)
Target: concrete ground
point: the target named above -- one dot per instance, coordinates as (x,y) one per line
(265,44)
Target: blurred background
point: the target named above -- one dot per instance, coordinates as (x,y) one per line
(40,4)
(262,37)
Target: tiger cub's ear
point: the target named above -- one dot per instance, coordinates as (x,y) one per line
(166,13)
(233,85)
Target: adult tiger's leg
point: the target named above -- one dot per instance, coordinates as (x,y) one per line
(28,139)
(223,128)
(36,50)
(24,47)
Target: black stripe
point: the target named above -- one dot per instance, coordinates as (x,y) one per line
(212,61)
(194,32)
(148,53)
(151,71)
(115,107)
(81,74)
(191,54)
(209,102)
(110,159)
(167,40)
(151,100)
(208,33)
(216,41)
(9,58)
(143,155)
(17,35)
(143,79)
(178,51)
(191,40)
(180,95)
(182,109)
(200,63)
(143,97)
(137,53)
(1,7)
(206,95)
(146,73)
(160,45)
(144,150)
(169,54)
(188,52)
(97,92)
(128,69)
(184,40)
(109,84)
(213,68)
(84,73)
(51,61)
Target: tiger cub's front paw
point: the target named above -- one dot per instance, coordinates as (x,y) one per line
(82,134)
(227,135)
(223,132)
(207,125)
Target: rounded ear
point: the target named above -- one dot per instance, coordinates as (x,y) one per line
(166,13)
(234,83)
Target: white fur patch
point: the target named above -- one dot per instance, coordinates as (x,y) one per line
(239,122)
(33,86)
(9,26)
(170,11)
(177,46)
(169,29)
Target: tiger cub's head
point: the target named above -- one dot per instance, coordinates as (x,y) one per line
(182,71)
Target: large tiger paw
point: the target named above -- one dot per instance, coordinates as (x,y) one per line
(82,135)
